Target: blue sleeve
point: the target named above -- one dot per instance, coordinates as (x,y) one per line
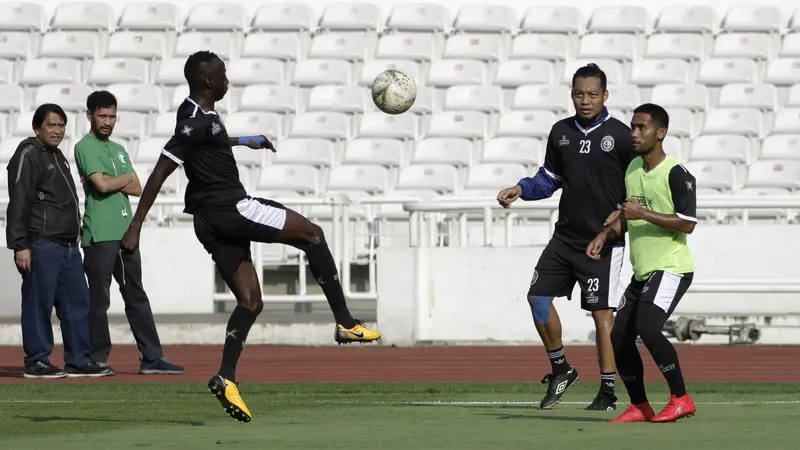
(540,186)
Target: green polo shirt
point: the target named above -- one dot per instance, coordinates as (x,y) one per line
(106,216)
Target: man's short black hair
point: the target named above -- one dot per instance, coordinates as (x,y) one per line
(43,110)
(100,99)
(192,70)
(657,114)
(591,70)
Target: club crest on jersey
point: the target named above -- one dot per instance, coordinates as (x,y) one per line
(689,186)
(607,143)
(215,128)
(564,141)
(187,130)
(535,277)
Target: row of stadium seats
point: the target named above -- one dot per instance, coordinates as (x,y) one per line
(153,45)
(420,17)
(441,73)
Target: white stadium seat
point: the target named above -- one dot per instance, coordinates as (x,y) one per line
(311,152)
(71,97)
(382,125)
(15,45)
(458,124)
(119,70)
(719,71)
(222,43)
(22,16)
(358,177)
(279,177)
(6,71)
(284,16)
(130,125)
(418,17)
(688,96)
(280,45)
(793,96)
(494,176)
(384,152)
(164,125)
(372,68)
(351,16)
(247,71)
(270,98)
(137,44)
(452,72)
(455,151)
(551,97)
(790,47)
(69,44)
(326,125)
(50,70)
(780,146)
(427,177)
(245,123)
(744,121)
(620,19)
(787,121)
(137,97)
(732,148)
(783,71)
(347,99)
(518,72)
(149,150)
(649,72)
(621,47)
(150,16)
(170,71)
(217,17)
(675,45)
(332,45)
(624,97)
(312,72)
(743,45)
(474,98)
(416,46)
(718,175)
(759,19)
(83,16)
(12,98)
(553,19)
(483,47)
(744,95)
(687,19)
(526,151)
(536,124)
(682,122)
(775,174)
(555,47)
(486,18)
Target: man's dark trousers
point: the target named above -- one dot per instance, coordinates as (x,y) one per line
(101,261)
(55,279)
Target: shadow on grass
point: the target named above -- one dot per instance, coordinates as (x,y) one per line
(40,419)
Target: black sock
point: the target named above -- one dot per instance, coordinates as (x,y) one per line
(242,319)
(651,318)
(607,380)
(323,268)
(634,384)
(558,361)
(626,355)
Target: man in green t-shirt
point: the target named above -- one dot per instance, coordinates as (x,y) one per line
(659,212)
(108,179)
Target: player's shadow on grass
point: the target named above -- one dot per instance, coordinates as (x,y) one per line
(503,416)
(12,372)
(191,423)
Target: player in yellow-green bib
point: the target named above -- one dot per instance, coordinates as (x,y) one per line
(659,212)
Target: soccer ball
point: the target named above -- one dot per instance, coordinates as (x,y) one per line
(393,92)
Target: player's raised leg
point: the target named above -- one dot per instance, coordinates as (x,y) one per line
(301,233)
(245,286)
(628,360)
(664,291)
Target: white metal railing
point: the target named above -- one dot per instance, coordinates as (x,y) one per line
(426,216)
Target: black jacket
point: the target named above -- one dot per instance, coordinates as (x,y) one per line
(43,202)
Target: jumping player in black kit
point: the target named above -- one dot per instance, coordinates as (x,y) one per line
(227,220)
(587,155)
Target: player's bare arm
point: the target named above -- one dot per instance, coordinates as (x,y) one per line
(254,142)
(615,226)
(133,188)
(163,169)
(106,184)
(633,210)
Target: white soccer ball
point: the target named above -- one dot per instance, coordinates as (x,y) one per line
(394,92)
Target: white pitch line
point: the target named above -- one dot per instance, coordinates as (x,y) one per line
(62,401)
(500,403)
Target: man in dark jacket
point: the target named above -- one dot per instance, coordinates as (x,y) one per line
(43,228)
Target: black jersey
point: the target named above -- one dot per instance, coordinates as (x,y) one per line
(201,144)
(589,165)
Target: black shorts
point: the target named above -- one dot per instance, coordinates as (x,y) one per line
(561,266)
(227,232)
(663,289)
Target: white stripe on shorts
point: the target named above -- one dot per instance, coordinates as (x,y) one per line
(617,257)
(260,213)
(667,290)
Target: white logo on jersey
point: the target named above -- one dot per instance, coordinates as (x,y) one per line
(187,130)
(535,277)
(689,185)
(215,128)
(564,141)
(607,143)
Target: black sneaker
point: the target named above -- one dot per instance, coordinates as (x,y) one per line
(557,385)
(89,370)
(41,369)
(603,402)
(105,366)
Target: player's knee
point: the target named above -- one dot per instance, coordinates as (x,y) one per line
(313,235)
(251,300)
(540,307)
(603,320)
